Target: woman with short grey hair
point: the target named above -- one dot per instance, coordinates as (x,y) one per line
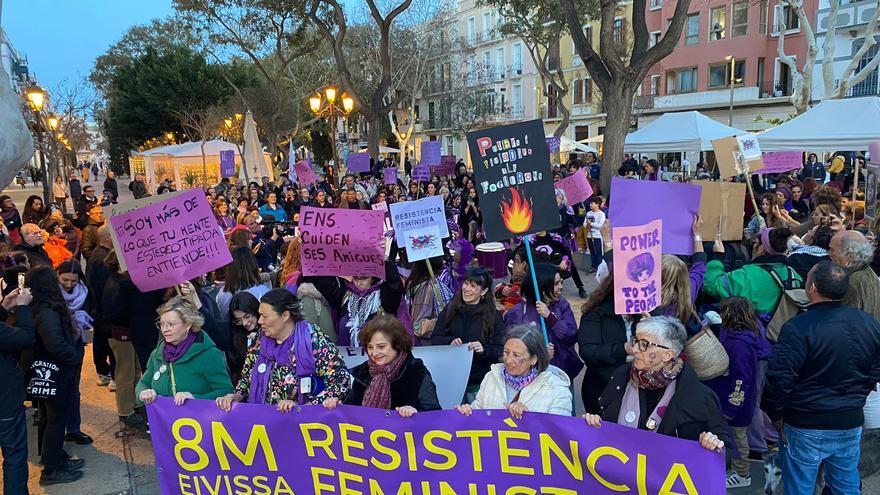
(525,380)
(659,392)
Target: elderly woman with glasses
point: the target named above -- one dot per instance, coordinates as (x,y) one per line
(185,364)
(659,392)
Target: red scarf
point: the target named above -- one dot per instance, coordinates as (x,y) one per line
(378,393)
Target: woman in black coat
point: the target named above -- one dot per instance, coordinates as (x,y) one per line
(391,378)
(56,343)
(471,319)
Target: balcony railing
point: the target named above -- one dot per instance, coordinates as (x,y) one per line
(868,87)
(774,89)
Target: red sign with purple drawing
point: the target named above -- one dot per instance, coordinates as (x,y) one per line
(637,259)
(340,242)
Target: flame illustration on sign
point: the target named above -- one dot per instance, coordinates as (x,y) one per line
(516,214)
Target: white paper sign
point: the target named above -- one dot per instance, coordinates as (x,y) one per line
(749,147)
(423,243)
(450,367)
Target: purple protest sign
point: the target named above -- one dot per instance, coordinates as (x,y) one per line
(553,144)
(576,186)
(421,173)
(430,153)
(171,241)
(358,162)
(227,163)
(390,175)
(304,172)
(637,202)
(356,450)
(781,161)
(637,267)
(341,242)
(447,165)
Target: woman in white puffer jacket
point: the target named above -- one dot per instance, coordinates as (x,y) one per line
(525,380)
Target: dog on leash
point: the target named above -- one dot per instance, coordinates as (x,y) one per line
(772,474)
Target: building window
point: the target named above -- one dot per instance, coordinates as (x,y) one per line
(692,35)
(552,107)
(740,19)
(578,93)
(717,23)
(588,91)
(500,63)
(654,88)
(656,4)
(449,145)
(472,30)
(719,74)
(472,68)
(655,38)
(681,81)
(516,58)
(553,55)
(516,103)
(581,132)
(787,18)
(618,30)
(487,26)
(487,64)
(762,17)
(431,115)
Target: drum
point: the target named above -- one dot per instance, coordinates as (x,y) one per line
(493,257)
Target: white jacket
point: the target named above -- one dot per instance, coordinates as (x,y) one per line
(548,393)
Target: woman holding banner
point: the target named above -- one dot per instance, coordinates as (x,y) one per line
(291,362)
(525,380)
(185,364)
(391,378)
(660,392)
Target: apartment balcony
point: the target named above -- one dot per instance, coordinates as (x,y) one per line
(517,112)
(868,87)
(774,89)
(852,14)
(645,102)
(514,70)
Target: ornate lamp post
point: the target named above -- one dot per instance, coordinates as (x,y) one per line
(331,109)
(36,97)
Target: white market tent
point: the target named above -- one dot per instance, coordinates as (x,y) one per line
(832,125)
(385,150)
(181,161)
(678,131)
(593,140)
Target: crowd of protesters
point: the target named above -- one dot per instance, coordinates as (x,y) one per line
(261,331)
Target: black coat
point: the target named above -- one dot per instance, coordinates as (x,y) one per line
(467,325)
(413,387)
(601,339)
(130,308)
(36,255)
(111,185)
(823,366)
(12,341)
(693,409)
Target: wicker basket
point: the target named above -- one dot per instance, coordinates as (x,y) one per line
(706,355)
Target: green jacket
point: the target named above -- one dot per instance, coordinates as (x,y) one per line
(751,282)
(201,372)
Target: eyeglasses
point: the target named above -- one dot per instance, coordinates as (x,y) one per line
(161,326)
(642,344)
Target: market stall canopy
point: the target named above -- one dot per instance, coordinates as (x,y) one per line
(568,145)
(593,140)
(678,131)
(382,149)
(832,125)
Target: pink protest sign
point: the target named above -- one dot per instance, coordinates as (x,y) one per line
(637,259)
(170,241)
(781,161)
(390,175)
(305,173)
(341,242)
(576,186)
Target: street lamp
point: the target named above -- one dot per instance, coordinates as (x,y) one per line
(53,122)
(331,109)
(36,96)
(733,80)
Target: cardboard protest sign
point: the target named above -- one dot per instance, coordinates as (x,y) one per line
(118,209)
(227,163)
(781,161)
(637,263)
(730,158)
(358,162)
(576,186)
(170,241)
(513,179)
(304,172)
(553,144)
(340,242)
(425,212)
(721,206)
(447,165)
(421,173)
(430,153)
(354,450)
(637,202)
(390,175)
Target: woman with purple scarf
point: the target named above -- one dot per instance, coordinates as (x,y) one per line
(186,364)
(659,392)
(290,363)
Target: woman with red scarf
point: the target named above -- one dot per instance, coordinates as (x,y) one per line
(391,378)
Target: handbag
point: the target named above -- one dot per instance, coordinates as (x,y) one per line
(44,379)
(706,355)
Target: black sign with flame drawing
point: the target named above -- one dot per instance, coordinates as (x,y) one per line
(513,180)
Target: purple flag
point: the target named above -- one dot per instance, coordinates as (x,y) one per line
(447,165)
(227,163)
(781,161)
(638,202)
(421,173)
(358,162)
(356,450)
(390,175)
(430,153)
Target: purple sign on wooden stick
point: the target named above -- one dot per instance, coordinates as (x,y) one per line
(447,165)
(358,162)
(638,202)
(576,186)
(171,241)
(430,153)
(227,163)
(421,173)
(780,161)
(339,242)
(390,175)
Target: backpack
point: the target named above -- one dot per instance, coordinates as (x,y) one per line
(792,301)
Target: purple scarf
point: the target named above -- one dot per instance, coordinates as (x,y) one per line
(172,353)
(274,354)
(519,382)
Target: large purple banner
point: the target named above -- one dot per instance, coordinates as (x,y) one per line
(355,450)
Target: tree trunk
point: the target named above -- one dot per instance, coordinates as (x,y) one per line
(618,101)
(373,129)
(563,124)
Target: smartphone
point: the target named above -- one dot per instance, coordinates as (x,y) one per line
(21,280)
